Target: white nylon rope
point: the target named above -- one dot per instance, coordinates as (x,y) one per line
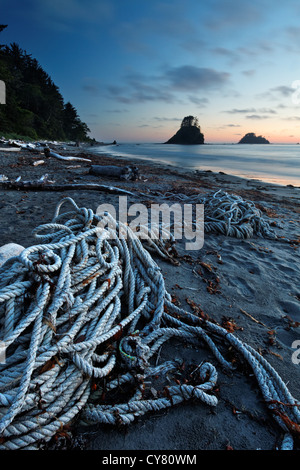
(85,307)
(227,214)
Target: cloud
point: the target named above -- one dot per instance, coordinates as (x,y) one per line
(240,111)
(226,126)
(233,56)
(267,110)
(292,118)
(266,46)
(251,110)
(249,73)
(257,117)
(144,92)
(198,101)
(194,46)
(162,119)
(116,111)
(93,90)
(283,90)
(91,85)
(257,50)
(139,92)
(139,88)
(246,51)
(190,77)
(293,32)
(276,93)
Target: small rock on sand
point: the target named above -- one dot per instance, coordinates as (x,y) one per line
(8,251)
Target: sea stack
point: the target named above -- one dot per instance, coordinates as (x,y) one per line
(251,138)
(188,134)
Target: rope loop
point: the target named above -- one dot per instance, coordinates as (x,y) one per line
(88,307)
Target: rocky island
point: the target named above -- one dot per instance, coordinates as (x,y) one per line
(251,138)
(189,133)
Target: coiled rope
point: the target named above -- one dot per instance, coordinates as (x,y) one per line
(90,306)
(228,214)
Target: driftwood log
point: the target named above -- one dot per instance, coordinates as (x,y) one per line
(50,153)
(123,172)
(10,149)
(45,186)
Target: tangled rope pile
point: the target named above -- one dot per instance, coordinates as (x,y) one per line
(87,307)
(228,214)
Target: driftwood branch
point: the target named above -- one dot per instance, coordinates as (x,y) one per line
(41,186)
(10,149)
(50,153)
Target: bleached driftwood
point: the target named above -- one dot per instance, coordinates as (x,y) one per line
(23,145)
(10,149)
(46,186)
(50,153)
(121,172)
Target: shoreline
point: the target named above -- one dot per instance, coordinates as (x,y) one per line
(193,168)
(230,182)
(252,285)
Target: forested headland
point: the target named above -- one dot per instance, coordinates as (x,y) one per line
(34,106)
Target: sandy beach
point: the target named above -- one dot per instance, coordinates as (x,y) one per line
(249,286)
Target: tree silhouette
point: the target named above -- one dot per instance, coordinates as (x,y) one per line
(34,104)
(190,121)
(189,132)
(252,138)
(73,127)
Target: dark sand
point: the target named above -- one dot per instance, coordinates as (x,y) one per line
(257,276)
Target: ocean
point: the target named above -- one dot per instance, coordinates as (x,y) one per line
(272,163)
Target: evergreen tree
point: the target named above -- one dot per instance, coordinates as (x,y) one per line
(34,105)
(72,125)
(190,121)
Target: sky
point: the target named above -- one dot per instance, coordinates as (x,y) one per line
(134,69)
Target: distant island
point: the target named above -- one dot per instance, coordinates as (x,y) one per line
(251,138)
(189,133)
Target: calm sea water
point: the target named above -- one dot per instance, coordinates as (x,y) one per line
(271,163)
